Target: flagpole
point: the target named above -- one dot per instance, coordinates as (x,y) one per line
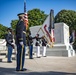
(24,6)
(52,25)
(25,16)
(39,30)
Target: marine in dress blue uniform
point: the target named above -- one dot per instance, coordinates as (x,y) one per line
(37,44)
(21,43)
(44,43)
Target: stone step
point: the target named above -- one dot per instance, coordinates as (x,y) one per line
(3,56)
(0,60)
(2,47)
(4,60)
(53,48)
(57,52)
(5,51)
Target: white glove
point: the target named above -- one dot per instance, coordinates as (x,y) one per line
(13,44)
(21,43)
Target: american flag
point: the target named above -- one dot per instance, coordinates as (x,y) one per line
(25,16)
(45,29)
(48,28)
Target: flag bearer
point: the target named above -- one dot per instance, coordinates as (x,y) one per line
(20,42)
(37,44)
(44,43)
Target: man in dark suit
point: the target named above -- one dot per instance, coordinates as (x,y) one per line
(9,44)
(30,44)
(20,42)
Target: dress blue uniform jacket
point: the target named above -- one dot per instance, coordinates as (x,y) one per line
(9,39)
(44,42)
(37,41)
(20,36)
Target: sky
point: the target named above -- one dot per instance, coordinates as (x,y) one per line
(10,8)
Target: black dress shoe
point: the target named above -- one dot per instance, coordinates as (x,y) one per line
(38,57)
(9,61)
(17,70)
(44,56)
(31,58)
(24,69)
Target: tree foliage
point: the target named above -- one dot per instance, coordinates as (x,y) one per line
(36,17)
(68,17)
(13,24)
(3,31)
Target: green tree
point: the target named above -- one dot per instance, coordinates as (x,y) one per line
(13,24)
(36,17)
(68,17)
(3,31)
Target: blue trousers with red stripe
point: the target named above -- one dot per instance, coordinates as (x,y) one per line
(20,57)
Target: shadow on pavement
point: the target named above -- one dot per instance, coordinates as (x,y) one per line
(11,71)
